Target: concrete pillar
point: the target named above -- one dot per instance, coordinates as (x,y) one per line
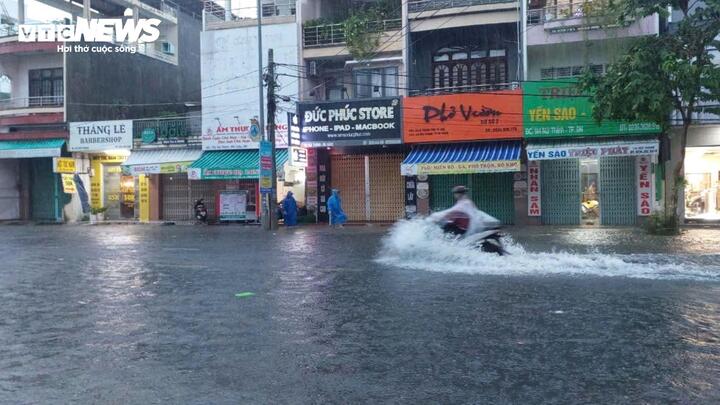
(228,10)
(86,9)
(155,198)
(21,11)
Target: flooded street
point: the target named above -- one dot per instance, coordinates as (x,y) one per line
(149,314)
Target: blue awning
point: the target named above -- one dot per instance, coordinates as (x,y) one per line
(460,158)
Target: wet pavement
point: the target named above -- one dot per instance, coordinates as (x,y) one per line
(149,314)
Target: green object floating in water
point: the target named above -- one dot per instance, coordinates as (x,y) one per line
(244,294)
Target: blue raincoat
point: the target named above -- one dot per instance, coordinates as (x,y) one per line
(290,209)
(334,204)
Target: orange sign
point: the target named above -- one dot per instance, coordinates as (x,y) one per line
(463,117)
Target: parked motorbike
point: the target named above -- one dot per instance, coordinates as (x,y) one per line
(200,210)
(487,239)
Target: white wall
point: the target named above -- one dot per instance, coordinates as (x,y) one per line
(17,69)
(229,74)
(571,54)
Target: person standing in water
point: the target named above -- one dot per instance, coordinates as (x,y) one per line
(334,205)
(290,209)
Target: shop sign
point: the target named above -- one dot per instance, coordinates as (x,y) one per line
(373,121)
(298,156)
(460,167)
(144,194)
(644,185)
(64,165)
(294,130)
(160,168)
(148,135)
(229,133)
(558,109)
(463,117)
(266,164)
(68,183)
(534,190)
(589,151)
(97,136)
(232,205)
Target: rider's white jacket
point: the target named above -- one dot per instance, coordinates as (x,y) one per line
(479,220)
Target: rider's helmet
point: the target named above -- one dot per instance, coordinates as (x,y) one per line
(459,190)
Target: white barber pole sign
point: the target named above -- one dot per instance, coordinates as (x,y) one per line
(534,203)
(644,185)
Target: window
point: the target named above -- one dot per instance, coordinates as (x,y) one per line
(46,86)
(381,82)
(461,67)
(565,72)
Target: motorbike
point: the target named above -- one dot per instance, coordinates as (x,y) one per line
(200,210)
(487,239)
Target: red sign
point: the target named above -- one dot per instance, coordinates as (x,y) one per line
(644,185)
(463,117)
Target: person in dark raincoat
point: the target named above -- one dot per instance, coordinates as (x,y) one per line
(290,209)
(334,204)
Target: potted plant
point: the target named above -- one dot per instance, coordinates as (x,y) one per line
(97,214)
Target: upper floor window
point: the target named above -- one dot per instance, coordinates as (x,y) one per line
(463,66)
(379,82)
(46,86)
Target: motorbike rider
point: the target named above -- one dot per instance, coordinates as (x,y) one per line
(464,218)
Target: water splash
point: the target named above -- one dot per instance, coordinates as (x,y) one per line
(418,244)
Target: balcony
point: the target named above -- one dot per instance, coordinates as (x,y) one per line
(14,104)
(31,110)
(419,6)
(217,17)
(575,22)
(476,88)
(168,131)
(334,34)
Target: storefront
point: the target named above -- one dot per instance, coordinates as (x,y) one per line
(231,175)
(582,172)
(357,151)
(457,142)
(29,189)
(702,173)
(107,144)
(167,193)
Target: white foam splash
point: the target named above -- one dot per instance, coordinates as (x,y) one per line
(417,244)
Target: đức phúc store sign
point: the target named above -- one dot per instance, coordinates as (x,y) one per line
(463,117)
(556,109)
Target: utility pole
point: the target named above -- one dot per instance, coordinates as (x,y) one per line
(261,119)
(271,107)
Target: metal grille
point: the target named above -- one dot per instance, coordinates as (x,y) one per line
(491,192)
(176,204)
(387,185)
(43,190)
(348,176)
(560,192)
(617,191)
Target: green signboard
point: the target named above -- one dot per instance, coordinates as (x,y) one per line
(553,109)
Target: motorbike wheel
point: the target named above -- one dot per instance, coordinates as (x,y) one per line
(493,246)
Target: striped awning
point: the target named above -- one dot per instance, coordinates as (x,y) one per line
(31,148)
(231,164)
(460,158)
(156,161)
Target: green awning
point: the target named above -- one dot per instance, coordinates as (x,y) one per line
(31,148)
(231,164)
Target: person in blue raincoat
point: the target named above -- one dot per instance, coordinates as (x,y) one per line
(334,204)
(290,209)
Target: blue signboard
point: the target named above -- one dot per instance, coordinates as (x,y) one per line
(266,162)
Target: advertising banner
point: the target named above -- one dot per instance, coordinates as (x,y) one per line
(373,121)
(534,191)
(558,109)
(496,166)
(265,167)
(144,194)
(644,185)
(64,165)
(98,136)
(588,151)
(229,133)
(160,168)
(68,183)
(232,205)
(463,117)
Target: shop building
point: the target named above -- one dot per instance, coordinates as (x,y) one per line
(582,172)
(700,201)
(470,139)
(355,148)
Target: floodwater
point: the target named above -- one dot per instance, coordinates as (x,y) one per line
(149,314)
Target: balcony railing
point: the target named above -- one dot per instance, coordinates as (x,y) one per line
(216,15)
(172,130)
(418,6)
(475,88)
(334,34)
(564,11)
(8,31)
(31,102)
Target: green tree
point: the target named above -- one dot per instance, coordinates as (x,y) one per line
(671,73)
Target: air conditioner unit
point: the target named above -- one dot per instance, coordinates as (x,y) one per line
(167,48)
(312,68)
